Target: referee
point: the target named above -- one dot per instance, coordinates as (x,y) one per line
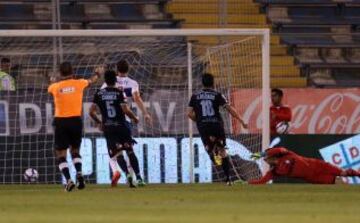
(68,98)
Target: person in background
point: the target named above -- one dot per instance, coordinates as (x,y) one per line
(7,82)
(279,113)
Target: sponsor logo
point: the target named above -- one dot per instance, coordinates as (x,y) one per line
(160,161)
(67,90)
(331,111)
(344,154)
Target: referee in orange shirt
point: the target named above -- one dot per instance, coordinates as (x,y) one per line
(68,99)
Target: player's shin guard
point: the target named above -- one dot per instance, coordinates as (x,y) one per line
(122,163)
(64,168)
(134,164)
(226,167)
(76,158)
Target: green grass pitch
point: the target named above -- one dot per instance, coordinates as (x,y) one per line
(202,203)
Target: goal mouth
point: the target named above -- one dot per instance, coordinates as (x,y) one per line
(167,65)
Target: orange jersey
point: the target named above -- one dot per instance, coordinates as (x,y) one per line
(68,95)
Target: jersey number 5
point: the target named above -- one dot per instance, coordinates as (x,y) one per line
(207,108)
(111,112)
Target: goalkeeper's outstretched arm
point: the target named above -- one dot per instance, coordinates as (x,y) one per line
(263,180)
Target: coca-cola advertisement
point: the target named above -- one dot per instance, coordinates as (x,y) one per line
(314,111)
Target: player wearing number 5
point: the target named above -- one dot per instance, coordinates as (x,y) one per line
(130,87)
(112,104)
(204,109)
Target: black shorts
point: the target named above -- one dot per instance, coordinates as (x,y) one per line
(211,134)
(118,138)
(68,132)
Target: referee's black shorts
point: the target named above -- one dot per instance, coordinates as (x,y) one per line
(68,132)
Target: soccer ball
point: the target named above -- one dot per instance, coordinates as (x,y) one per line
(31,175)
(282,127)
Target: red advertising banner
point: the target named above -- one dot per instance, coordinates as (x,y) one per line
(314,111)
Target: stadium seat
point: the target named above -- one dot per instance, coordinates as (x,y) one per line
(241,14)
(321,34)
(85,14)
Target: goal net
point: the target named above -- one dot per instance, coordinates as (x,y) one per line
(167,65)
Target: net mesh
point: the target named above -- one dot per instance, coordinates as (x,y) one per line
(160,65)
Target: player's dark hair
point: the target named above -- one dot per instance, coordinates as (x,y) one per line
(207,80)
(5,60)
(277,91)
(110,77)
(66,69)
(122,66)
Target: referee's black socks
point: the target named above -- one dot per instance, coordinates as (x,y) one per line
(76,158)
(64,168)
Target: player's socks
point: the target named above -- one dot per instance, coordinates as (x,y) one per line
(64,168)
(122,163)
(135,165)
(113,164)
(226,167)
(80,181)
(77,163)
(352,173)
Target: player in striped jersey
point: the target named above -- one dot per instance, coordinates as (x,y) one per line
(131,90)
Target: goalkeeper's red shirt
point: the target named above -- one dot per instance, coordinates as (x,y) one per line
(291,164)
(278,114)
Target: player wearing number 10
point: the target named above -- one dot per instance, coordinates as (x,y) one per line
(204,109)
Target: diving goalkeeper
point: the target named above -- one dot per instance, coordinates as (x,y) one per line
(284,162)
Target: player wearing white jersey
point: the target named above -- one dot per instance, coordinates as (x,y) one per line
(131,91)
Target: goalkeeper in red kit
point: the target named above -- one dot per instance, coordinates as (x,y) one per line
(284,162)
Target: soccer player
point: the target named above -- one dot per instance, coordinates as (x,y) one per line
(278,112)
(284,162)
(68,97)
(131,89)
(113,107)
(204,109)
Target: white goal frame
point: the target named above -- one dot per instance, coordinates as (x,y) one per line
(263,33)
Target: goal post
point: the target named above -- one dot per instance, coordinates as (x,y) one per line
(167,64)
